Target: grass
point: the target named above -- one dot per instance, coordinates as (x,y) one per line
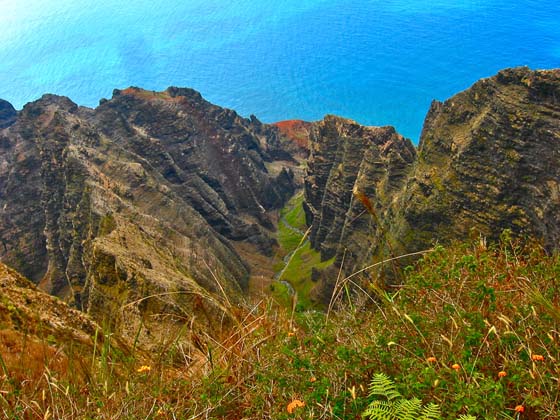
(293,212)
(299,270)
(475,329)
(299,258)
(288,238)
(291,226)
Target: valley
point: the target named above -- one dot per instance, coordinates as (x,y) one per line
(160,232)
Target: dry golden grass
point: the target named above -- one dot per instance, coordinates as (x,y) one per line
(475,330)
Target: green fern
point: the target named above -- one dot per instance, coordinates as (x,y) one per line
(379,410)
(407,409)
(382,386)
(388,404)
(431,411)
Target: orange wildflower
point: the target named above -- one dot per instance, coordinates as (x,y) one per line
(519,409)
(456,366)
(501,374)
(537,357)
(313,379)
(291,334)
(293,405)
(431,359)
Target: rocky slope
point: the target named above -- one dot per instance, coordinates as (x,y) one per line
(38,331)
(488,160)
(353,174)
(129,211)
(294,135)
(151,206)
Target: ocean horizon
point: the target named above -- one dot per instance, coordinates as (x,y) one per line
(379,63)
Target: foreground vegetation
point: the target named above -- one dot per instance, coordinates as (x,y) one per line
(474,329)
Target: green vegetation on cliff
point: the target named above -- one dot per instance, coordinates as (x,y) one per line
(474,330)
(291,226)
(298,258)
(152,212)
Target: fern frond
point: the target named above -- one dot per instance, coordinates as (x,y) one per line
(388,404)
(467,417)
(407,409)
(430,411)
(382,386)
(379,410)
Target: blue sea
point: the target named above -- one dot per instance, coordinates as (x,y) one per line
(378,62)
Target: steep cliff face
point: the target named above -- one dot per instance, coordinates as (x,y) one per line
(7,114)
(209,156)
(488,160)
(129,211)
(353,175)
(136,208)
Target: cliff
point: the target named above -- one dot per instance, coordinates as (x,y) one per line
(157,202)
(130,211)
(487,161)
(353,175)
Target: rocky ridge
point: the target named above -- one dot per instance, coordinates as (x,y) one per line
(488,160)
(353,174)
(137,210)
(130,211)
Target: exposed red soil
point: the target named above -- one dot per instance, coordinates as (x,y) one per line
(296,130)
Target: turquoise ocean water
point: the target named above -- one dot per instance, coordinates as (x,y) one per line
(378,62)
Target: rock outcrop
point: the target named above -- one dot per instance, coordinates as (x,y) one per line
(207,154)
(129,211)
(353,175)
(8,114)
(488,160)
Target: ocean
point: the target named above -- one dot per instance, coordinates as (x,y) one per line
(377,62)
